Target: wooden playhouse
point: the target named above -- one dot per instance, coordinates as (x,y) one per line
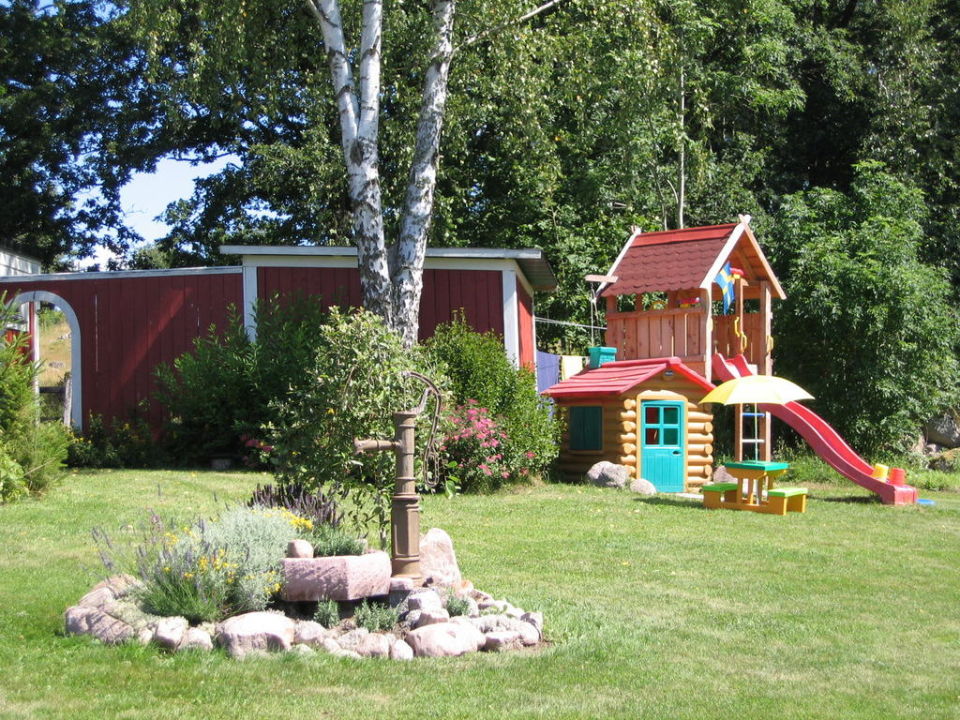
(640,413)
(673,300)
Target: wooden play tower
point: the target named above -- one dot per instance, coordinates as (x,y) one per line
(663,300)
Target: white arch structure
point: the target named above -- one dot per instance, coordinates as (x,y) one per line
(76,410)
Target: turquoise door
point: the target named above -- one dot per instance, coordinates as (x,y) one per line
(662,447)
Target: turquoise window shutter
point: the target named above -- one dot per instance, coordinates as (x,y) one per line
(586,428)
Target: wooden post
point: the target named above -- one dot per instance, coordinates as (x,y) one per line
(706,300)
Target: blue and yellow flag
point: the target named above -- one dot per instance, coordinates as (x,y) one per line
(725,279)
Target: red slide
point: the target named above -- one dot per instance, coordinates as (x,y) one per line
(824,440)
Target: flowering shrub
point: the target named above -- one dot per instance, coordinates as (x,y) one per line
(211,569)
(474,450)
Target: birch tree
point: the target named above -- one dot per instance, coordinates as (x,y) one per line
(391,277)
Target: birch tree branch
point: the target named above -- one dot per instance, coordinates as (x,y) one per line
(370,44)
(509,23)
(407,272)
(327,14)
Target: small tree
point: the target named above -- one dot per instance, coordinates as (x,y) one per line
(866,327)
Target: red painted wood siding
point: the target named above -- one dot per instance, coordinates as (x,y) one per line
(478,293)
(525,328)
(129,325)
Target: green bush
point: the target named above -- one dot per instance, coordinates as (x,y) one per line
(117,444)
(353,385)
(376,616)
(218,395)
(483,379)
(328,540)
(32,453)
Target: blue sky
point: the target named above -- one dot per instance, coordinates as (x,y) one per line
(148,194)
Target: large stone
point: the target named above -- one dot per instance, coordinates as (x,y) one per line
(445,640)
(609,475)
(341,577)
(400,650)
(375,645)
(944,430)
(499,640)
(425,599)
(86,620)
(643,486)
(299,548)
(419,618)
(311,633)
(256,631)
(106,591)
(351,639)
(529,634)
(438,561)
(195,638)
(170,631)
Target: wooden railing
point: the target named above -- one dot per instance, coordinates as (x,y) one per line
(680,333)
(656,333)
(750,342)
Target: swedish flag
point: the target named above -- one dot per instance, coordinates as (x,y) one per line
(725,279)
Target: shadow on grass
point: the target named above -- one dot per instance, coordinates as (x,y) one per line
(854,499)
(673,502)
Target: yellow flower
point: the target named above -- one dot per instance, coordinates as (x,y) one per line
(331,411)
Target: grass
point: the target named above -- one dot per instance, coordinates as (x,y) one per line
(654,609)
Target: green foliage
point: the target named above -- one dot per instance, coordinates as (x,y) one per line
(457,605)
(495,399)
(327,614)
(867,328)
(376,616)
(353,385)
(218,395)
(329,541)
(32,453)
(117,444)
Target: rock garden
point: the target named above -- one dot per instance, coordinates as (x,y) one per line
(215,585)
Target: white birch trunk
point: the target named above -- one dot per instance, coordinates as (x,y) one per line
(359,124)
(407,273)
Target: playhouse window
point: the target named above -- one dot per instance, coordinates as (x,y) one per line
(586,428)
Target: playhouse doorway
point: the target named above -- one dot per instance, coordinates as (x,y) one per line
(662,457)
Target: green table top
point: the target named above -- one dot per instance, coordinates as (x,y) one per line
(757,465)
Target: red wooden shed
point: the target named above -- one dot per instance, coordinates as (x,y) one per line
(123,324)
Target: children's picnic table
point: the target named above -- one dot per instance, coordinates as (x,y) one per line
(754,489)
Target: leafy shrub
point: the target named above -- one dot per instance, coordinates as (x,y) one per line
(219,394)
(867,328)
(117,444)
(328,541)
(474,447)
(353,386)
(328,613)
(482,377)
(376,616)
(33,452)
(209,395)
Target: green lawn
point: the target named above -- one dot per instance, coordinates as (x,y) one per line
(654,609)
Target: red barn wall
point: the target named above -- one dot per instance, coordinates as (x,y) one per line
(131,323)
(477,293)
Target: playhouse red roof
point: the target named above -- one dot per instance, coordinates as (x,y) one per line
(668,260)
(615,378)
(687,259)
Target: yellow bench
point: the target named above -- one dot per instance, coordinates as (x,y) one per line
(782,500)
(717,494)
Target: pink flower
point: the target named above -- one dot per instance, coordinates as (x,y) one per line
(485,469)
